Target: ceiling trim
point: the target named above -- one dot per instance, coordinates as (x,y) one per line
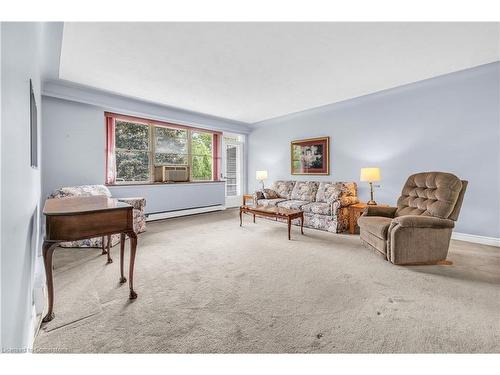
(390,91)
(126,105)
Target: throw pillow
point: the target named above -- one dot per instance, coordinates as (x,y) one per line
(270,194)
(259,195)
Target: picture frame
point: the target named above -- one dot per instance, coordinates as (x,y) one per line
(33,129)
(310,156)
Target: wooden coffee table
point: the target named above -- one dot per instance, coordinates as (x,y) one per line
(275,212)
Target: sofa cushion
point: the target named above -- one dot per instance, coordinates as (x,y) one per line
(270,194)
(318,208)
(270,202)
(331,191)
(429,194)
(304,191)
(283,188)
(376,225)
(328,192)
(293,204)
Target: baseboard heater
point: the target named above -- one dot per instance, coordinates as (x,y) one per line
(185,212)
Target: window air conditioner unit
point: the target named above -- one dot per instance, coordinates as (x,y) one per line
(171,173)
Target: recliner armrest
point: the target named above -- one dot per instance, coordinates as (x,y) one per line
(380,211)
(418,221)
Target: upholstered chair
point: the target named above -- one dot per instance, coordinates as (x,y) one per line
(418,230)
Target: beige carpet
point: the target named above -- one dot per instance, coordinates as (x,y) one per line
(207,285)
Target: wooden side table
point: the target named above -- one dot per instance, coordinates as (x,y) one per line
(247,197)
(355,211)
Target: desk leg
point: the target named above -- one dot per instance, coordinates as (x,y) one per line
(103,246)
(47,251)
(133,248)
(122,254)
(289,227)
(109,250)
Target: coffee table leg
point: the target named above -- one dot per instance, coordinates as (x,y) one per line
(289,227)
(241,221)
(302,224)
(254,218)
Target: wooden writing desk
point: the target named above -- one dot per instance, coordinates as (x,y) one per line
(78,218)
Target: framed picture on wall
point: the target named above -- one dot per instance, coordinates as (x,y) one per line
(310,156)
(33,129)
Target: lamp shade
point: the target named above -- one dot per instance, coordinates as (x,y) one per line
(261,175)
(370,174)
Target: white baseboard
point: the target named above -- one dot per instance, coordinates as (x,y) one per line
(191,211)
(491,241)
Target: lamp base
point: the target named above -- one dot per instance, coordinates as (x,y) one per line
(371,203)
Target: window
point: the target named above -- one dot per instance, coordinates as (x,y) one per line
(132,152)
(201,156)
(135,146)
(171,146)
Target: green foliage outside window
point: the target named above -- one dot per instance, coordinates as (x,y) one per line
(132,166)
(132,152)
(201,144)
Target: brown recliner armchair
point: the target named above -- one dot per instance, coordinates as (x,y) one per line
(418,230)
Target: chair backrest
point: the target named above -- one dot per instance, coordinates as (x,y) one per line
(81,191)
(458,205)
(435,194)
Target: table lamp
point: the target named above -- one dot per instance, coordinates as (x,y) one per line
(261,176)
(370,175)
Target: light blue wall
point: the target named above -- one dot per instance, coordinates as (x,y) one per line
(20,191)
(74,150)
(173,197)
(448,123)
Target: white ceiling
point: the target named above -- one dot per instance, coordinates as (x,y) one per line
(255,71)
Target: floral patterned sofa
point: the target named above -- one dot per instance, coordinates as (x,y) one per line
(325,204)
(91,190)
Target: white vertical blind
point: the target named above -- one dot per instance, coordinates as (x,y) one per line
(231,170)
